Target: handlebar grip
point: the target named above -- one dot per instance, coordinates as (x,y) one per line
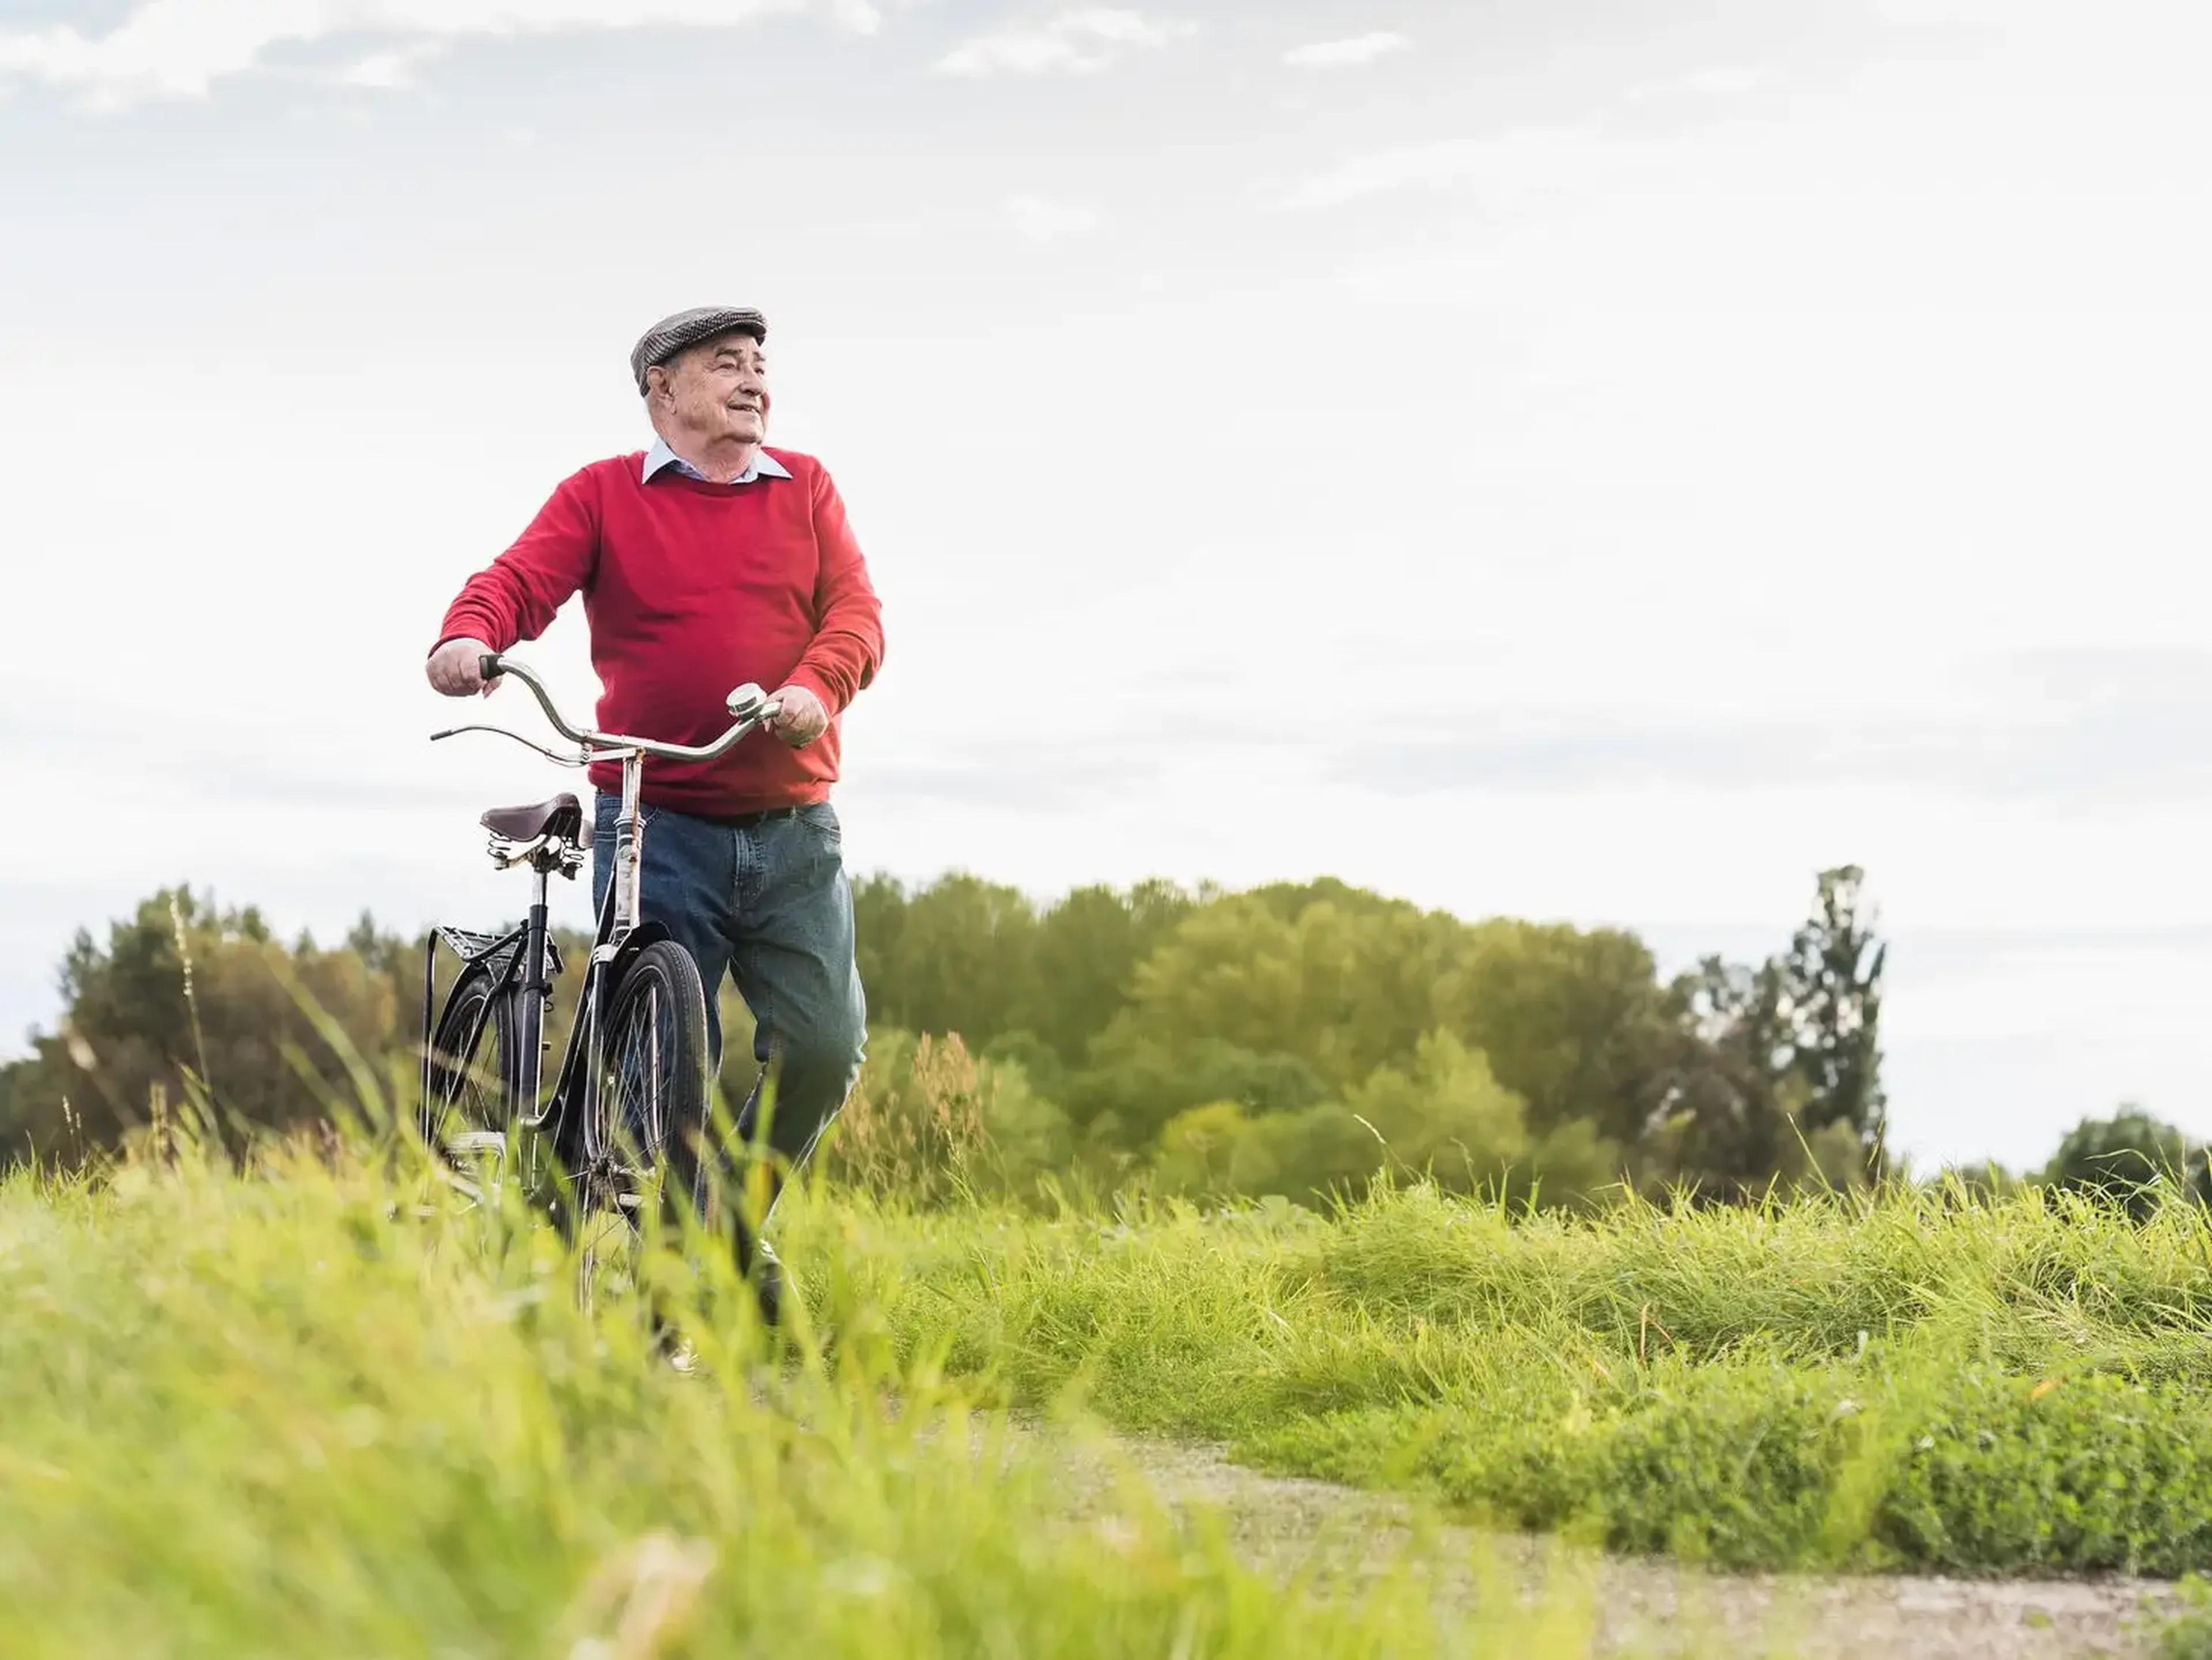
(490,667)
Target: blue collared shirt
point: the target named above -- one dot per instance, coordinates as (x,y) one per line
(764,465)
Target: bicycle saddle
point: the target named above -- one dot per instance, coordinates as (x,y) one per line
(562,816)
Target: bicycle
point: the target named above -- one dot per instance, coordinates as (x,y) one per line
(636,1059)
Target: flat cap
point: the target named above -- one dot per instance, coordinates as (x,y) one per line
(672,335)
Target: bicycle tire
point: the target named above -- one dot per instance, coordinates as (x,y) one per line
(462,1077)
(654,1035)
(659,1004)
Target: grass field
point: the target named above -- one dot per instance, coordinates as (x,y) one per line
(1915,1383)
(306,1412)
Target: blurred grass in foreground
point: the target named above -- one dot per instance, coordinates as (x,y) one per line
(303,1412)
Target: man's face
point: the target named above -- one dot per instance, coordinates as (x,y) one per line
(718,390)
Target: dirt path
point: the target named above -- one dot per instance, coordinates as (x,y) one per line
(1630,1606)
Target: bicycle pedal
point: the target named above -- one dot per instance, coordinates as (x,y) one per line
(477,1141)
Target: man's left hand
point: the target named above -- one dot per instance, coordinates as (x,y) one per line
(800,719)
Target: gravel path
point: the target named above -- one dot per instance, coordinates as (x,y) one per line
(1639,1606)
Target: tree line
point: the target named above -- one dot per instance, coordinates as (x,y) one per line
(1286,1038)
(1297,1037)
(1292,1039)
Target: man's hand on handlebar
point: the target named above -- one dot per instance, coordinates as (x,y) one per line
(800,719)
(456,669)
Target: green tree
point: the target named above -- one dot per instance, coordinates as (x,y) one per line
(2127,1160)
(955,957)
(1776,1070)
(879,907)
(1575,1022)
(1834,974)
(1446,1117)
(1291,900)
(1311,1157)
(185,997)
(1726,1126)
(1083,961)
(1345,990)
(1196,1147)
(1137,1083)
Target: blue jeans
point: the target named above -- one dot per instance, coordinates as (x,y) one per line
(769,904)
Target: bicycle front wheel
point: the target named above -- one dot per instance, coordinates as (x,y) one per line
(653,1073)
(652,1082)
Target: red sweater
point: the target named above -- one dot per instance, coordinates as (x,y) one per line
(691,589)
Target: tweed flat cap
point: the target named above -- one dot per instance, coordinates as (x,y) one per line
(672,335)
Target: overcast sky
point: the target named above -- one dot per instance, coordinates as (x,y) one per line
(1579,459)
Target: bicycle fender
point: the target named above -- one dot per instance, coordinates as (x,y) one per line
(644,935)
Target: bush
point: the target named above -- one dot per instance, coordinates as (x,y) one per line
(2091,1474)
(929,1123)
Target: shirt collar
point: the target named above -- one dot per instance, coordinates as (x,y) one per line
(764,465)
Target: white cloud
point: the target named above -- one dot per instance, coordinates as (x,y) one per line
(1715,81)
(386,71)
(1074,41)
(1341,54)
(1719,80)
(1045,221)
(1947,11)
(1723,80)
(181,48)
(1507,165)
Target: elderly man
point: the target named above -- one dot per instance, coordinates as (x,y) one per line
(706,561)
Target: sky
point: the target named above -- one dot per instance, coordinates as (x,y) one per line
(1587,460)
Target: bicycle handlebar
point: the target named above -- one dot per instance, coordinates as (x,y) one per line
(749,706)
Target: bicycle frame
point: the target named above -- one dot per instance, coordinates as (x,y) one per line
(524,979)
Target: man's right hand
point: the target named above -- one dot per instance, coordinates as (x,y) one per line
(456,668)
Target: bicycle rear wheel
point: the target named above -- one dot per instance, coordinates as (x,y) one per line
(474,1077)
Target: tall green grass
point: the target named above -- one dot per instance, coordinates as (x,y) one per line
(1918,1381)
(318,1410)
(327,1406)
